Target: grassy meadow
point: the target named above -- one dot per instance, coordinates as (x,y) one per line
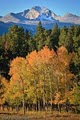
(40,116)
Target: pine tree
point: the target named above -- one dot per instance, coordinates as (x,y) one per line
(54,37)
(62,37)
(39,37)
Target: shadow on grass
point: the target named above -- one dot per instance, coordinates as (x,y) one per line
(5,113)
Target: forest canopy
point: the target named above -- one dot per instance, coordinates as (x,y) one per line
(41,69)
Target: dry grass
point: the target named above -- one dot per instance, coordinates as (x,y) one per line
(40,116)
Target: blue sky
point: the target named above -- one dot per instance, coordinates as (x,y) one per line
(60,7)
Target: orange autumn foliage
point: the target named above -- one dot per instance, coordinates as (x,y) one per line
(44,70)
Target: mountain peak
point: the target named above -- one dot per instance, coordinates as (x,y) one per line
(38,8)
(12,17)
(39,13)
(29,19)
(70,15)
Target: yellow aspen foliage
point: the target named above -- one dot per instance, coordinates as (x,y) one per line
(3,87)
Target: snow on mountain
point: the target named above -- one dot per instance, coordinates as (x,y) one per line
(44,14)
(32,14)
(70,18)
(28,19)
(23,13)
(36,14)
(12,17)
(39,13)
(9,18)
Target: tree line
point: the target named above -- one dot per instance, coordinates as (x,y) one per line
(40,71)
